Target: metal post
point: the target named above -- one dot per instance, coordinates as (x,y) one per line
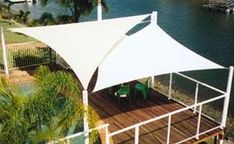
(195,99)
(170,86)
(56,58)
(50,53)
(152,81)
(107,135)
(199,122)
(86,125)
(154,17)
(4,53)
(136,134)
(227,97)
(169,129)
(99,10)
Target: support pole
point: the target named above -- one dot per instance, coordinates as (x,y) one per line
(170,86)
(154,17)
(227,97)
(169,129)
(99,10)
(199,122)
(195,99)
(107,135)
(136,140)
(86,124)
(4,53)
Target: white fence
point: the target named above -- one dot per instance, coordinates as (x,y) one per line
(199,105)
(28,54)
(69,138)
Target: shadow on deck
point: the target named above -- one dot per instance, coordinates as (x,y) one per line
(125,114)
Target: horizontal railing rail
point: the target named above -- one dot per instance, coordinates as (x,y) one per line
(83,132)
(201,83)
(104,126)
(165,116)
(192,137)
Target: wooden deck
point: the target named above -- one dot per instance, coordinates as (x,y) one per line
(125,114)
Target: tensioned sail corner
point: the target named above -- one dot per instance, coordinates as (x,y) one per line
(149,52)
(83,45)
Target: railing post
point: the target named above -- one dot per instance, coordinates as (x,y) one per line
(195,99)
(136,141)
(86,125)
(107,135)
(199,122)
(50,53)
(169,129)
(99,10)
(227,97)
(170,86)
(4,53)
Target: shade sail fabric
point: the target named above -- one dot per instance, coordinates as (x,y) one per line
(83,45)
(148,52)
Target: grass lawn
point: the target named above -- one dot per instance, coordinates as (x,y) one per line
(11,37)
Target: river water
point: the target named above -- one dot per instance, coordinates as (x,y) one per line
(208,33)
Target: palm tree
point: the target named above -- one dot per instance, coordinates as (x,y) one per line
(22,16)
(79,7)
(48,113)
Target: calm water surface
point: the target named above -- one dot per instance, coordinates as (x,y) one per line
(210,34)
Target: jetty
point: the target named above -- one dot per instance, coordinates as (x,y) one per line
(220,5)
(19,1)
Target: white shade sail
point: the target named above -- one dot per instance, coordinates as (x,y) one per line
(149,52)
(83,45)
(120,58)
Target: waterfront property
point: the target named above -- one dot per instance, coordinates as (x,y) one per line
(221,5)
(122,58)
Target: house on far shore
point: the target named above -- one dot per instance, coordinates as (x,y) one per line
(220,5)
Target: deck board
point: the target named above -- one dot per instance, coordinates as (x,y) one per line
(125,114)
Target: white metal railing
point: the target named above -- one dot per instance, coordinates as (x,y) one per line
(198,83)
(136,127)
(169,115)
(28,54)
(187,139)
(67,138)
(225,96)
(202,83)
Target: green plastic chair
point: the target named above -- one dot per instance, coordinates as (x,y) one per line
(123,91)
(143,89)
(112,90)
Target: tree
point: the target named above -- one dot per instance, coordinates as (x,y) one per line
(22,16)
(47,19)
(46,114)
(79,7)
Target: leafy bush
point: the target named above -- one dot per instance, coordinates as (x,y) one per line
(22,16)
(47,19)
(64,19)
(46,114)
